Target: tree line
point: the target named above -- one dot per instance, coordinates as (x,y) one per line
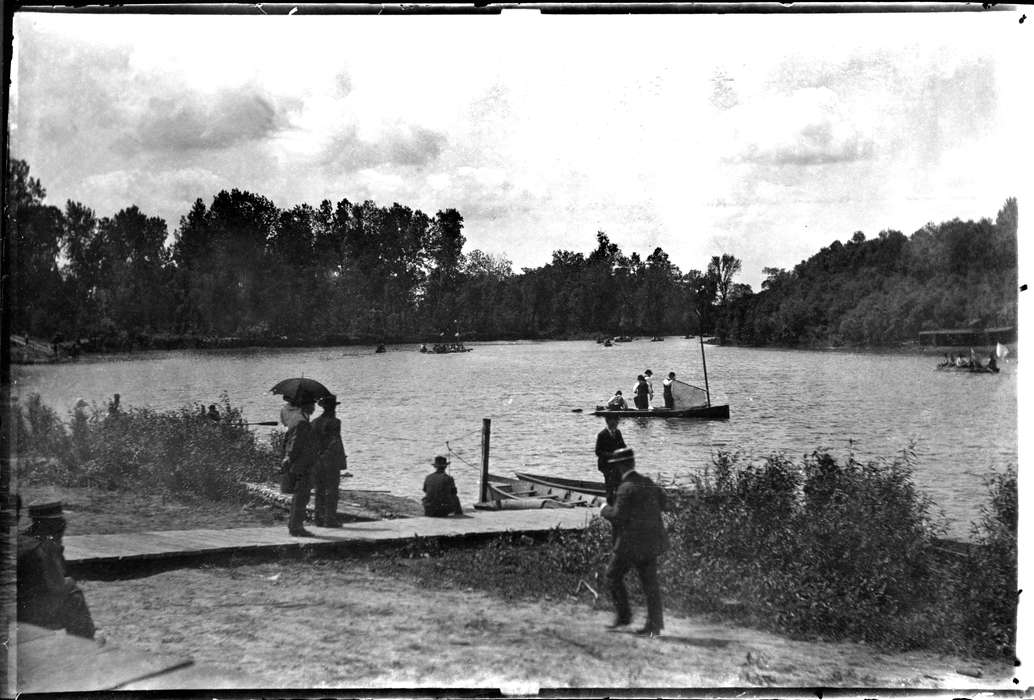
(241,268)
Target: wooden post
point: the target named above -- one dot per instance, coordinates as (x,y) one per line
(707,387)
(486,435)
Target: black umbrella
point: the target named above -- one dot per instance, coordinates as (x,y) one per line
(300,387)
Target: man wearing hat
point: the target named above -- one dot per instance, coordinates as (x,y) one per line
(331,460)
(299,462)
(607,441)
(640,539)
(440,499)
(46,597)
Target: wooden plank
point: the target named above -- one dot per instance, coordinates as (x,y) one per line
(145,545)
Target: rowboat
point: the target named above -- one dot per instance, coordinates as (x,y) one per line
(704,412)
(689,402)
(529,491)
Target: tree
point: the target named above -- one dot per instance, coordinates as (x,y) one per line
(720,272)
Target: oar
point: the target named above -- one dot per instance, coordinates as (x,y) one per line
(265,422)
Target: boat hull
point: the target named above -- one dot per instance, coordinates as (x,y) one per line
(703,412)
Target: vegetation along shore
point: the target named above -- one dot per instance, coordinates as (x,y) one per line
(351,272)
(814,548)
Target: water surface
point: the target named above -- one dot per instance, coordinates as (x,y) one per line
(401,408)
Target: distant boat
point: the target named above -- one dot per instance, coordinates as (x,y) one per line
(608,343)
(690,402)
(381,348)
(656,339)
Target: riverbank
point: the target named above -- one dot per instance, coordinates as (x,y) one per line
(359,626)
(95,511)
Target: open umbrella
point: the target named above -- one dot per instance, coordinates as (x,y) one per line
(297,387)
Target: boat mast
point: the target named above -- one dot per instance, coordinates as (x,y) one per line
(707,387)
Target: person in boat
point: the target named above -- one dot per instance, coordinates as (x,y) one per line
(961,362)
(648,375)
(640,538)
(642,393)
(617,402)
(330,461)
(608,441)
(992,363)
(423,348)
(213,413)
(115,405)
(298,462)
(440,497)
(669,398)
(46,596)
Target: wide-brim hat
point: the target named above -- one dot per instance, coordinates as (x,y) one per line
(329,401)
(622,456)
(42,511)
(441,461)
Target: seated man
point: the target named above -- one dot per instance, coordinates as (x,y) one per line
(617,403)
(46,597)
(440,499)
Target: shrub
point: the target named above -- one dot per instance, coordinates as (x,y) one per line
(988,582)
(180,451)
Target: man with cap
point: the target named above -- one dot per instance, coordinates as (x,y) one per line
(329,463)
(607,441)
(46,597)
(440,498)
(299,462)
(640,539)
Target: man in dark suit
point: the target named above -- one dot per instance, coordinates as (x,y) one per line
(640,539)
(607,442)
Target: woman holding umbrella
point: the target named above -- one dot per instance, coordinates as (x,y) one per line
(300,448)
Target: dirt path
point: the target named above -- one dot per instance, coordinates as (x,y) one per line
(337,624)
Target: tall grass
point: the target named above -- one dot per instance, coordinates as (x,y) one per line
(816,547)
(179,452)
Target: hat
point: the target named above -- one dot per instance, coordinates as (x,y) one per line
(617,393)
(39,511)
(440,462)
(329,401)
(648,373)
(625,454)
(81,403)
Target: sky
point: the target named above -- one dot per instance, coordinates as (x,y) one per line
(766,137)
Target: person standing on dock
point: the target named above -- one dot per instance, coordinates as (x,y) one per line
(46,596)
(640,537)
(440,497)
(299,462)
(608,441)
(332,459)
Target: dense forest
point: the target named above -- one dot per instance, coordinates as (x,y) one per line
(239,268)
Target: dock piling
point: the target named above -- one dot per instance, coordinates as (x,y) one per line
(486,435)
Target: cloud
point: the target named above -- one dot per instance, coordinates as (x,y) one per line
(401,145)
(807,127)
(191,121)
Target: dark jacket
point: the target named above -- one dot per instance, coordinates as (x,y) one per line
(329,448)
(440,490)
(300,448)
(636,516)
(606,444)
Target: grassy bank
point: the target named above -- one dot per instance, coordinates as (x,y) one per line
(815,547)
(843,551)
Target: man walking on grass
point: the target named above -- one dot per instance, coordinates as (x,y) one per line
(640,538)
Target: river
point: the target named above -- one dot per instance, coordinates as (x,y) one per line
(401,408)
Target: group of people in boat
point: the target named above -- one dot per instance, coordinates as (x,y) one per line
(972,362)
(444,347)
(642,394)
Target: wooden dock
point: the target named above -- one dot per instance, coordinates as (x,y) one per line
(110,551)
